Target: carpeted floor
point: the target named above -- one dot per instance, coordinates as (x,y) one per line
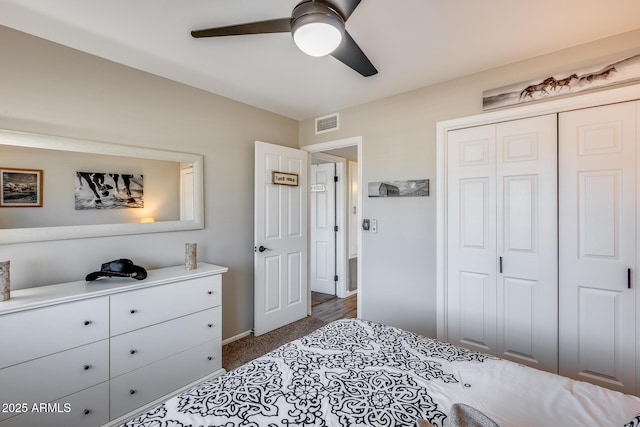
(248,348)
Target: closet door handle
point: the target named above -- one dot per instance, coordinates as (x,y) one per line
(500,265)
(628,278)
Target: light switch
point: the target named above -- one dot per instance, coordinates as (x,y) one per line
(374,225)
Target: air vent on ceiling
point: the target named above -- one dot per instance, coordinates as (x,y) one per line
(327,123)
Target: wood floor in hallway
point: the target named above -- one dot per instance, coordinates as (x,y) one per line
(329,307)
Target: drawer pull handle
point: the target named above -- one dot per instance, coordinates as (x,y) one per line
(133,311)
(132,351)
(132,392)
(210,325)
(87,411)
(210,357)
(87,322)
(87,367)
(210,292)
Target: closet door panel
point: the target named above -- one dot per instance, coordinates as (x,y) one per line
(599,201)
(598,245)
(519,335)
(476,311)
(599,332)
(520,214)
(527,282)
(471,292)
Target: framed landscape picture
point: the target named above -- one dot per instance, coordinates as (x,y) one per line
(20,188)
(408,188)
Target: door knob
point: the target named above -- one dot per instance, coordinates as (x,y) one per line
(262,249)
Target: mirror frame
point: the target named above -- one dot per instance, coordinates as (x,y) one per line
(49,142)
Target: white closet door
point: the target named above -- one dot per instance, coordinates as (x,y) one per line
(598,245)
(502,240)
(527,244)
(471,239)
(634,277)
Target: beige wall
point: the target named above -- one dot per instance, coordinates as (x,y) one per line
(47,88)
(399,142)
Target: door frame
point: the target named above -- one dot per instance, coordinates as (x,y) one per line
(332,145)
(592,99)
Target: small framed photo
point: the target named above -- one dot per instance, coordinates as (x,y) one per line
(283,178)
(20,188)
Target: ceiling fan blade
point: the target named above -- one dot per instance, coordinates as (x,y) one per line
(350,54)
(345,7)
(282,25)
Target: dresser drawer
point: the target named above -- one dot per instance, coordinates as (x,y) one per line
(52,377)
(139,348)
(87,408)
(146,384)
(144,307)
(35,333)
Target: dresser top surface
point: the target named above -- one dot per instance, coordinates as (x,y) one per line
(43,296)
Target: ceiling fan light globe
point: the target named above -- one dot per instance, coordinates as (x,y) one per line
(317,38)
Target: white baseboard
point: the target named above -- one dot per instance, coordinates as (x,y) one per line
(350,293)
(236,338)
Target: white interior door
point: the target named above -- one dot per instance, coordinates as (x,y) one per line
(186,194)
(323,233)
(353,209)
(502,240)
(471,231)
(598,245)
(280,238)
(527,227)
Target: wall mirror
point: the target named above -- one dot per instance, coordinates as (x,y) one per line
(56,188)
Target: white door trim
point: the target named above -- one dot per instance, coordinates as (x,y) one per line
(331,145)
(621,94)
(341,237)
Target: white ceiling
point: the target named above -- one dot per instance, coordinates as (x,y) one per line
(412,43)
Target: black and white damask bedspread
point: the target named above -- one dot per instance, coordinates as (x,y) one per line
(359,373)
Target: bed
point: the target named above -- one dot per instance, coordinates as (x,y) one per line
(355,372)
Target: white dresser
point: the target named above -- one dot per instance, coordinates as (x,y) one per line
(81,354)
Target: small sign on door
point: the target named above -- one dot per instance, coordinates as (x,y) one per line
(318,188)
(283,178)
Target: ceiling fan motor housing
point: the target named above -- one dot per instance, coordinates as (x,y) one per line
(310,11)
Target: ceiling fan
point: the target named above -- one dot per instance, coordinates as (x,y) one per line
(317,27)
